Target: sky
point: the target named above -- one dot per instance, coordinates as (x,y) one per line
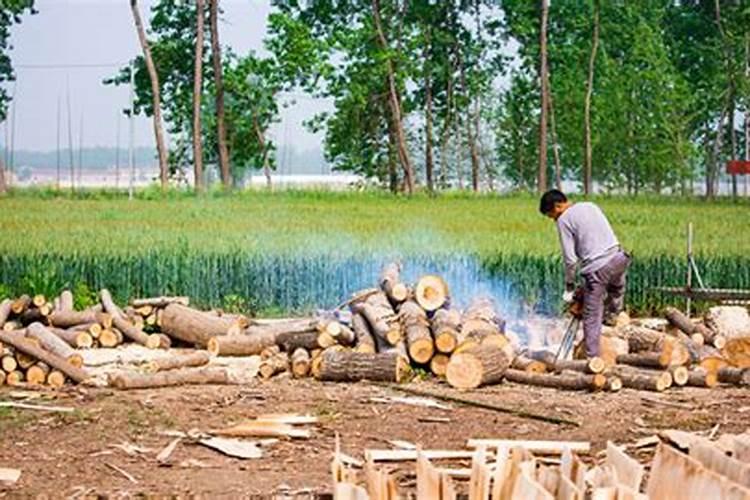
(98,37)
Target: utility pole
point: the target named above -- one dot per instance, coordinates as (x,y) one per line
(131,153)
(70,144)
(57,179)
(13,137)
(117,153)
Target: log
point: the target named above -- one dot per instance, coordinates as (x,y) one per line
(635,379)
(528,365)
(381,317)
(702,378)
(110,338)
(74,373)
(614,383)
(10,326)
(431,292)
(183,376)
(55,378)
(193,326)
(20,304)
(736,376)
(269,352)
(419,341)
(241,345)
(5,309)
(679,374)
(160,301)
(591,366)
(445,327)
(14,378)
(120,321)
(348,366)
(54,344)
(645,359)
(198,358)
(66,301)
(290,341)
(480,322)
(686,325)
(642,339)
(300,363)
(317,360)
(390,283)
(26,360)
(8,362)
(67,319)
(439,364)
(37,374)
(273,365)
(74,338)
(31,315)
(568,380)
(476,366)
(365,341)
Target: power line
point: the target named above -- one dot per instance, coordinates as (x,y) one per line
(68,66)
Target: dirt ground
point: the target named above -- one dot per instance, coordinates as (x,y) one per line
(72,454)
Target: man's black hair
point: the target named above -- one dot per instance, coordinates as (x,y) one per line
(547,203)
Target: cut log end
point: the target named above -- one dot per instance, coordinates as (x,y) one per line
(439,364)
(55,378)
(614,384)
(421,351)
(679,375)
(445,342)
(431,292)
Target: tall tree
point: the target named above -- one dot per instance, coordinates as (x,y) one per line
(428,161)
(161,147)
(219,95)
(587,182)
(197,91)
(544,107)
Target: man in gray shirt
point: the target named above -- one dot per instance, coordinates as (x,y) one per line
(588,242)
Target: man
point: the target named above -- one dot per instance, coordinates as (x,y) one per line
(587,240)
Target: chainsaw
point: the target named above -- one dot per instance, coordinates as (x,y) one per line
(575,309)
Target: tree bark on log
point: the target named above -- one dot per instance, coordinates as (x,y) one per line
(193,326)
(349,366)
(528,365)
(418,337)
(241,345)
(5,308)
(638,379)
(66,301)
(431,292)
(702,378)
(390,283)
(381,317)
(289,341)
(479,322)
(476,366)
(685,325)
(642,339)
(184,376)
(160,302)
(32,315)
(365,341)
(736,376)
(68,319)
(125,326)
(645,359)
(198,358)
(439,364)
(445,326)
(20,304)
(54,344)
(591,366)
(300,363)
(54,361)
(574,381)
(273,365)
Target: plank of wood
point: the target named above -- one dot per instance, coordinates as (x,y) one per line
(408,455)
(628,471)
(428,479)
(529,489)
(567,490)
(236,448)
(349,491)
(715,460)
(539,447)
(479,482)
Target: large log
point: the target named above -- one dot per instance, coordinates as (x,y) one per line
(275,364)
(160,301)
(74,338)
(645,359)
(445,327)
(241,345)
(476,366)
(568,380)
(418,337)
(365,341)
(67,319)
(5,309)
(528,365)
(198,358)
(349,366)
(120,321)
(300,363)
(642,339)
(638,379)
(431,292)
(686,325)
(479,322)
(193,326)
(53,360)
(381,317)
(184,376)
(736,376)
(54,344)
(702,378)
(66,301)
(390,283)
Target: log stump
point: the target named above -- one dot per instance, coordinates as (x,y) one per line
(476,366)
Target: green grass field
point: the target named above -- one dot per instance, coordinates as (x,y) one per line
(295,250)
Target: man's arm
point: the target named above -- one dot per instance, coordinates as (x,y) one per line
(570,259)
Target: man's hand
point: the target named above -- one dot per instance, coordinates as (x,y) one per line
(568,296)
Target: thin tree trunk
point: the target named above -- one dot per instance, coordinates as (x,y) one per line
(395,105)
(156,96)
(58,158)
(747,106)
(469,133)
(542,174)
(392,153)
(446,132)
(70,141)
(226,176)
(733,139)
(458,153)
(3,186)
(428,118)
(262,142)
(713,167)
(555,144)
(587,174)
(197,91)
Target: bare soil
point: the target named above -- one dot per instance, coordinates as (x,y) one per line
(71,454)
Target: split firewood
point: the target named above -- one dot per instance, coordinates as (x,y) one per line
(54,344)
(273,365)
(183,376)
(20,304)
(702,378)
(686,325)
(381,317)
(639,379)
(198,358)
(5,310)
(67,319)
(241,345)
(418,337)
(736,376)
(390,283)
(445,327)
(37,374)
(365,341)
(476,366)
(646,359)
(300,363)
(431,292)
(566,380)
(528,365)
(120,321)
(195,327)
(66,301)
(74,338)
(160,301)
(479,323)
(349,366)
(439,364)
(54,361)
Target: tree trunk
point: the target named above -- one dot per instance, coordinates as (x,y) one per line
(184,376)
(570,380)
(23,345)
(161,147)
(528,365)
(469,133)
(587,173)
(445,136)
(300,362)
(3,184)
(445,326)
(392,148)
(390,283)
(260,136)
(198,358)
(542,173)
(74,338)
(736,376)
(428,162)
(66,319)
(642,380)
(712,176)
(685,325)
(479,322)
(277,363)
(702,378)
(365,341)
(646,340)
(221,133)
(555,144)
(381,317)
(197,92)
(394,102)
(417,328)
(644,359)
(193,326)
(343,366)
(431,292)
(54,344)
(476,366)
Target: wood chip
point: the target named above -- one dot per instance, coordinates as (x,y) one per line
(122,471)
(233,447)
(646,442)
(29,406)
(437,420)
(9,476)
(402,445)
(412,401)
(163,456)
